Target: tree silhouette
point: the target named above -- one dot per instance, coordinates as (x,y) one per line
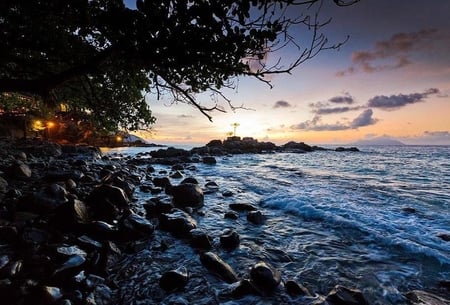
(100,56)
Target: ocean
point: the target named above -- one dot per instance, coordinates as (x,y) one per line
(375,220)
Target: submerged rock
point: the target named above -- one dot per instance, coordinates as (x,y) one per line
(200,239)
(217,266)
(256,217)
(229,239)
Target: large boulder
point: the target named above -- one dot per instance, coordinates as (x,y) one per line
(187,195)
(264,278)
(217,266)
(107,202)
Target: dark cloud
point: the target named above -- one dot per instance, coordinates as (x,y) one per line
(323,108)
(334,110)
(397,101)
(185,116)
(281,104)
(364,119)
(346,99)
(392,53)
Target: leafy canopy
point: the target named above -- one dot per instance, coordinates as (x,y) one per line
(102,57)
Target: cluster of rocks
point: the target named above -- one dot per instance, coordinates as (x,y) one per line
(68,216)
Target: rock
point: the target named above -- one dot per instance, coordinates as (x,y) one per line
(209,160)
(70,266)
(134,226)
(297,147)
(242,288)
(176,175)
(354,149)
(229,239)
(231,215)
(444,236)
(200,239)
(101,230)
(294,289)
(190,180)
(242,207)
(163,182)
(8,234)
(256,217)
(107,202)
(3,186)
(174,279)
(177,222)
(49,198)
(187,195)
(341,295)
(47,295)
(418,297)
(19,170)
(264,278)
(217,266)
(155,207)
(227,193)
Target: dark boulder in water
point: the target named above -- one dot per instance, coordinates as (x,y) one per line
(242,207)
(154,207)
(229,239)
(134,226)
(264,278)
(200,239)
(163,182)
(217,266)
(341,295)
(174,279)
(295,289)
(209,160)
(187,195)
(256,217)
(177,222)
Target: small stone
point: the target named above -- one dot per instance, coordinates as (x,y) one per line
(217,266)
(242,207)
(295,289)
(200,239)
(231,215)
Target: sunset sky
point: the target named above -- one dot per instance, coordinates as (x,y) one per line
(391,79)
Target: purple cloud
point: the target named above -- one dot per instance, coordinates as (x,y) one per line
(400,100)
(282,104)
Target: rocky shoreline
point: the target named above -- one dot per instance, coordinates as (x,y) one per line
(71,226)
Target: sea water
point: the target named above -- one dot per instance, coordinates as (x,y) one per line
(371,220)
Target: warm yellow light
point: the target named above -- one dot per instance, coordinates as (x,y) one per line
(119,139)
(50,124)
(37,125)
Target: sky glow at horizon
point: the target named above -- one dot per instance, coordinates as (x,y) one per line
(391,79)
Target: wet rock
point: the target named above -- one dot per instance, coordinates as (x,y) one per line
(47,295)
(227,193)
(200,239)
(242,288)
(189,180)
(177,222)
(229,239)
(163,182)
(19,170)
(71,266)
(354,149)
(107,202)
(409,210)
(264,278)
(341,295)
(155,207)
(217,266)
(21,156)
(63,175)
(444,236)
(242,207)
(3,186)
(49,198)
(174,279)
(418,297)
(176,175)
(187,195)
(134,226)
(256,217)
(211,187)
(209,160)
(11,269)
(89,243)
(295,289)
(101,230)
(8,234)
(231,215)
(35,236)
